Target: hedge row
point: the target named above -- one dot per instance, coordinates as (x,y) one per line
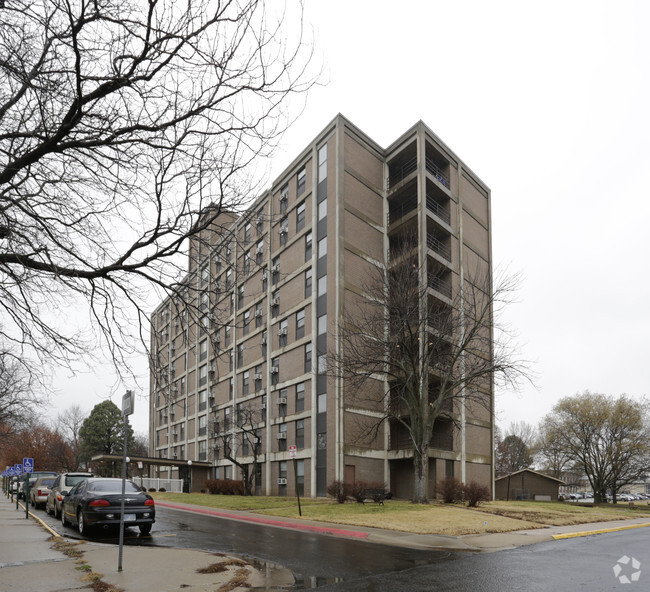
(225,486)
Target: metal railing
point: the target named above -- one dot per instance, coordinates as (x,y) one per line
(439,247)
(174,485)
(437,172)
(397,173)
(439,285)
(438,210)
(398,209)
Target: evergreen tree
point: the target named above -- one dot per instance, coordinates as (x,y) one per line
(102,433)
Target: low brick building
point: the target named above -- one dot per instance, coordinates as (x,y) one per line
(527,485)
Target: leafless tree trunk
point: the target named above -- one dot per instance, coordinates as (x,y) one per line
(125,128)
(429,357)
(68,424)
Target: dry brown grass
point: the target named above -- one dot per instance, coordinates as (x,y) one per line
(221,566)
(239,580)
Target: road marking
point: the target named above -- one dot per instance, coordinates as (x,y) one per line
(571,535)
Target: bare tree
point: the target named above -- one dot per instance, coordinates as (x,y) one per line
(242,443)
(553,456)
(68,423)
(125,128)
(607,438)
(416,361)
(17,399)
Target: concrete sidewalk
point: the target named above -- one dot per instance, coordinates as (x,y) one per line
(35,559)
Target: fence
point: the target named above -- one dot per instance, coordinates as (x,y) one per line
(174,485)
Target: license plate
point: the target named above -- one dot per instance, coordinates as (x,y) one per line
(129,517)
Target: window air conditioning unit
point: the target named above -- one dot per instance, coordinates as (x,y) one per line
(282,400)
(282,331)
(175,390)
(282,481)
(211,375)
(258,376)
(175,456)
(275,370)
(263,339)
(258,313)
(282,435)
(172,415)
(175,433)
(276,267)
(259,249)
(211,401)
(275,301)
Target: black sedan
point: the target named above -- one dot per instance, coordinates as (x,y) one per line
(97,502)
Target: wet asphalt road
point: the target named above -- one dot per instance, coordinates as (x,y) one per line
(344,565)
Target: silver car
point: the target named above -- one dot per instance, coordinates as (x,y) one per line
(64,482)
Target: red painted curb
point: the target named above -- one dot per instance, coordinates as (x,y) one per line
(269,522)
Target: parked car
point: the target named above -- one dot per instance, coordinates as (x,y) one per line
(32,479)
(65,481)
(97,502)
(40,490)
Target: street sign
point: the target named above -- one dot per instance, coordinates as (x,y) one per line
(28,465)
(128,401)
(18,469)
(292,452)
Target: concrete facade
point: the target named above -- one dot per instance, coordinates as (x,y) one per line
(271,287)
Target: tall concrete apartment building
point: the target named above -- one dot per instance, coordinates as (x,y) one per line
(272,286)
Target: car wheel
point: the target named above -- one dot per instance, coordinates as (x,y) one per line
(57,512)
(64,522)
(81,524)
(145,528)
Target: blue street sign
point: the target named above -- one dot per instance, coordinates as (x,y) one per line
(18,469)
(28,465)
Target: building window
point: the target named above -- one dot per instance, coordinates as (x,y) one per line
(300,433)
(322,247)
(302,181)
(282,333)
(205,276)
(227,333)
(265,280)
(203,350)
(263,342)
(308,283)
(203,400)
(231,388)
(259,252)
(322,364)
(231,360)
(203,375)
(228,253)
(247,322)
(300,323)
(282,402)
(275,270)
(322,285)
(282,437)
(284,199)
(275,370)
(322,210)
(449,468)
(232,303)
(275,303)
(240,296)
(247,262)
(258,377)
(203,425)
(228,279)
(226,419)
(258,314)
(247,233)
(300,397)
(308,246)
(300,217)
(260,222)
(240,355)
(245,384)
(322,163)
(284,231)
(322,324)
(307,357)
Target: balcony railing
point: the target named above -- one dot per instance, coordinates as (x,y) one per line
(397,173)
(438,441)
(437,172)
(439,247)
(399,208)
(438,210)
(439,285)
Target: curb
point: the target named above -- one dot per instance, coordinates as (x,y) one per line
(45,526)
(270,522)
(572,535)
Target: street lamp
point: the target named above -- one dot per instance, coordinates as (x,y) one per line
(189,464)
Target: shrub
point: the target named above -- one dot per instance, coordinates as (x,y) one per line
(476,493)
(338,490)
(225,486)
(162,490)
(152,489)
(356,489)
(451,490)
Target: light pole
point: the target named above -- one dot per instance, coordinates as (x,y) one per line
(189,476)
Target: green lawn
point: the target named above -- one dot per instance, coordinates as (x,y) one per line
(435,518)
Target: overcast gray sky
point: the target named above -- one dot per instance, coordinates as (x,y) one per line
(548,104)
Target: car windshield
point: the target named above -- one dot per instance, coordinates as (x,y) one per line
(74,479)
(113,487)
(47,482)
